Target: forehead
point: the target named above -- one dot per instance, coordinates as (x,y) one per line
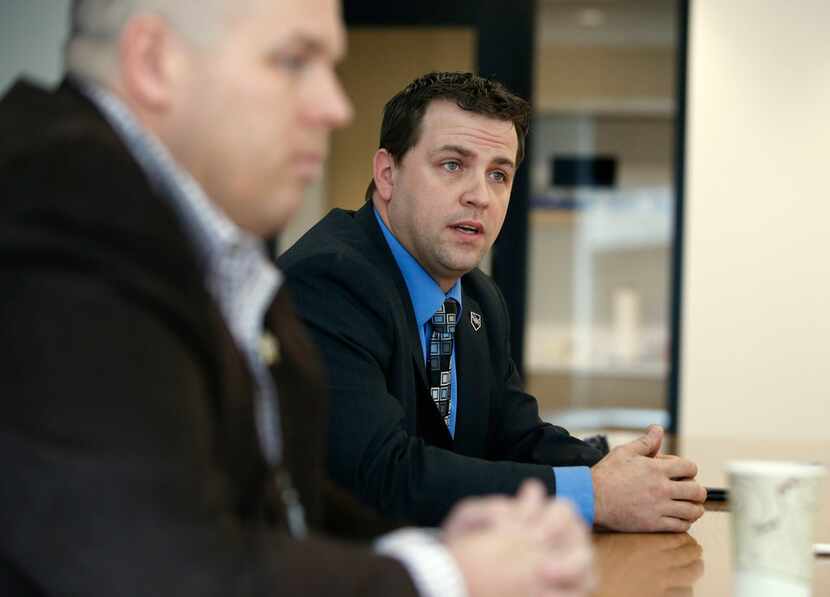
(445,123)
(310,22)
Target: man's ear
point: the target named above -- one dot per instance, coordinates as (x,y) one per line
(148,50)
(383,173)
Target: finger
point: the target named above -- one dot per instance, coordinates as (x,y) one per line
(686,553)
(658,432)
(569,570)
(531,489)
(477,513)
(688,574)
(560,593)
(684,510)
(648,444)
(689,491)
(678,592)
(561,527)
(581,591)
(668,524)
(672,544)
(530,500)
(678,468)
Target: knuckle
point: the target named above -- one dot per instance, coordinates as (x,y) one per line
(491,502)
(681,526)
(464,506)
(565,507)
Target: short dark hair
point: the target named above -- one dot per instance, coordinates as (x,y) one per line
(403,114)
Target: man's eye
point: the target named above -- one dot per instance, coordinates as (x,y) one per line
(498,176)
(451,166)
(292,61)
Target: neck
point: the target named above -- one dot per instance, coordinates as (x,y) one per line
(444,283)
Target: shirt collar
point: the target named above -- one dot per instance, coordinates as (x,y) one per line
(238,273)
(211,228)
(424,292)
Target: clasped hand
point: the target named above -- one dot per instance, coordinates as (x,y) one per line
(638,490)
(527,545)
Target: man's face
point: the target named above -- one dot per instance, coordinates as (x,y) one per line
(254,109)
(450,191)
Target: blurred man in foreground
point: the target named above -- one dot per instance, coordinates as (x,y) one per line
(162,427)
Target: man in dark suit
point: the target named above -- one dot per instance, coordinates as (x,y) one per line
(162,425)
(427,405)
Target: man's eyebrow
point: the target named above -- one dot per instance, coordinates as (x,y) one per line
(504,162)
(463,151)
(307,43)
(300,39)
(460,150)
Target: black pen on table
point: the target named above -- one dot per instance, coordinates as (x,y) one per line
(717,494)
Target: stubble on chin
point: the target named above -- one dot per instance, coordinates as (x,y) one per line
(457,261)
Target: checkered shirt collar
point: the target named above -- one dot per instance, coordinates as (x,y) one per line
(238,273)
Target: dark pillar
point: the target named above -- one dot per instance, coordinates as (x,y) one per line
(673,385)
(505,52)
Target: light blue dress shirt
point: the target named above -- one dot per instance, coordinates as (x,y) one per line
(572,482)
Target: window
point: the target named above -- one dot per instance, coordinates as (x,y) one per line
(597,343)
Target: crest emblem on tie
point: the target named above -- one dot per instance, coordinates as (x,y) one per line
(475,320)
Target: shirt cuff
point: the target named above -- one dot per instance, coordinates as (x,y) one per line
(430,564)
(575,483)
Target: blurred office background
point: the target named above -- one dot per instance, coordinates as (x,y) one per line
(670,220)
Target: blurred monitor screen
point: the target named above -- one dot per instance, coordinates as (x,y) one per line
(576,171)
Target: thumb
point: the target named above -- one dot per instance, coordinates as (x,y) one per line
(648,444)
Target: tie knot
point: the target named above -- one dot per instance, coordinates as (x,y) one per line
(446,316)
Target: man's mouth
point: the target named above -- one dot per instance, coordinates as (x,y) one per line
(471,228)
(308,166)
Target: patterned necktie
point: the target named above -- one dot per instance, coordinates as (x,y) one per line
(440,352)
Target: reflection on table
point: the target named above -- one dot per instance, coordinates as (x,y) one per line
(647,564)
(700,562)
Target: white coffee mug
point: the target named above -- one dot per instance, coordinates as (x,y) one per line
(773,508)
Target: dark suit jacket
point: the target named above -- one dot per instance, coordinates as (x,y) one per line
(387,440)
(128,453)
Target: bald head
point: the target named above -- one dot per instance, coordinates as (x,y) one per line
(96,27)
(243,93)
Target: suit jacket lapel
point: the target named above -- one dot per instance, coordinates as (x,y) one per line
(417,353)
(471,354)
(298,378)
(381,253)
(430,420)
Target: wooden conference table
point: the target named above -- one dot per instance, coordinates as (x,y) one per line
(700,562)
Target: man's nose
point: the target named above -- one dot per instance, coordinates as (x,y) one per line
(476,194)
(331,107)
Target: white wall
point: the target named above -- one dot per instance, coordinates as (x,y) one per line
(756,337)
(32,33)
